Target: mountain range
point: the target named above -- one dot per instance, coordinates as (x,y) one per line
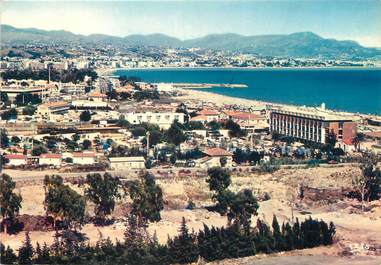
(300,44)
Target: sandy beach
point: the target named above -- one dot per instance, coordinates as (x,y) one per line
(219,100)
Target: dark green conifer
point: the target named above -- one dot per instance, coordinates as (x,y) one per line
(183,248)
(26,251)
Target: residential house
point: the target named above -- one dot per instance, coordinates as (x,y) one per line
(50,159)
(132,162)
(85,158)
(16,159)
(215,157)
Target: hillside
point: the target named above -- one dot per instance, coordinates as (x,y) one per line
(301,44)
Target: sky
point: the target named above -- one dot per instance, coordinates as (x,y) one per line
(358,20)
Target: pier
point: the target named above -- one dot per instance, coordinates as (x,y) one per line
(206,85)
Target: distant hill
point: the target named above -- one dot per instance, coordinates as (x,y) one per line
(301,44)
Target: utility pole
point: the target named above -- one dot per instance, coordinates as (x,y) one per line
(148,134)
(48,74)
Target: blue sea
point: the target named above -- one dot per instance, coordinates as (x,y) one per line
(354,90)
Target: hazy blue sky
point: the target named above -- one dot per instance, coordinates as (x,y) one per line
(358,20)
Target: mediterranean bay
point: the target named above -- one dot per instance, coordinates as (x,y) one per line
(344,89)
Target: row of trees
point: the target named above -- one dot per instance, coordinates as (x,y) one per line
(66,205)
(210,243)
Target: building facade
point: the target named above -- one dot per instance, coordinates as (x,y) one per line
(85,158)
(312,124)
(50,159)
(16,159)
(125,163)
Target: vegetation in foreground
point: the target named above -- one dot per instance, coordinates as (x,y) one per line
(238,239)
(211,243)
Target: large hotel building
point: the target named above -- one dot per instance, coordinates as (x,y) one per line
(312,124)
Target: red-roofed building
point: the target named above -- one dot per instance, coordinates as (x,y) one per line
(16,159)
(50,159)
(208,112)
(216,151)
(207,115)
(200,118)
(216,157)
(248,121)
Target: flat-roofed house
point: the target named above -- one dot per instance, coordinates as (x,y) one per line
(50,159)
(127,162)
(16,159)
(85,158)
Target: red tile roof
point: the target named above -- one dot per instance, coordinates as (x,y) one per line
(207,112)
(216,151)
(55,104)
(199,118)
(15,156)
(243,115)
(97,95)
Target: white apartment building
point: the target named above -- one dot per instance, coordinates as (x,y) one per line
(162,119)
(312,124)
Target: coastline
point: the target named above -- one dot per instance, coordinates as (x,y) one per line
(111,71)
(218,99)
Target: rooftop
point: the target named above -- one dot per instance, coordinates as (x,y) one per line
(216,151)
(208,112)
(51,156)
(127,159)
(15,156)
(84,154)
(55,104)
(313,113)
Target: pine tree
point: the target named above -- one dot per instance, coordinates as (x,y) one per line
(45,254)
(38,254)
(289,237)
(278,244)
(263,238)
(327,233)
(298,238)
(183,247)
(7,255)
(26,251)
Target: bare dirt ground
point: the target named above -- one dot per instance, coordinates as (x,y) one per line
(358,236)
